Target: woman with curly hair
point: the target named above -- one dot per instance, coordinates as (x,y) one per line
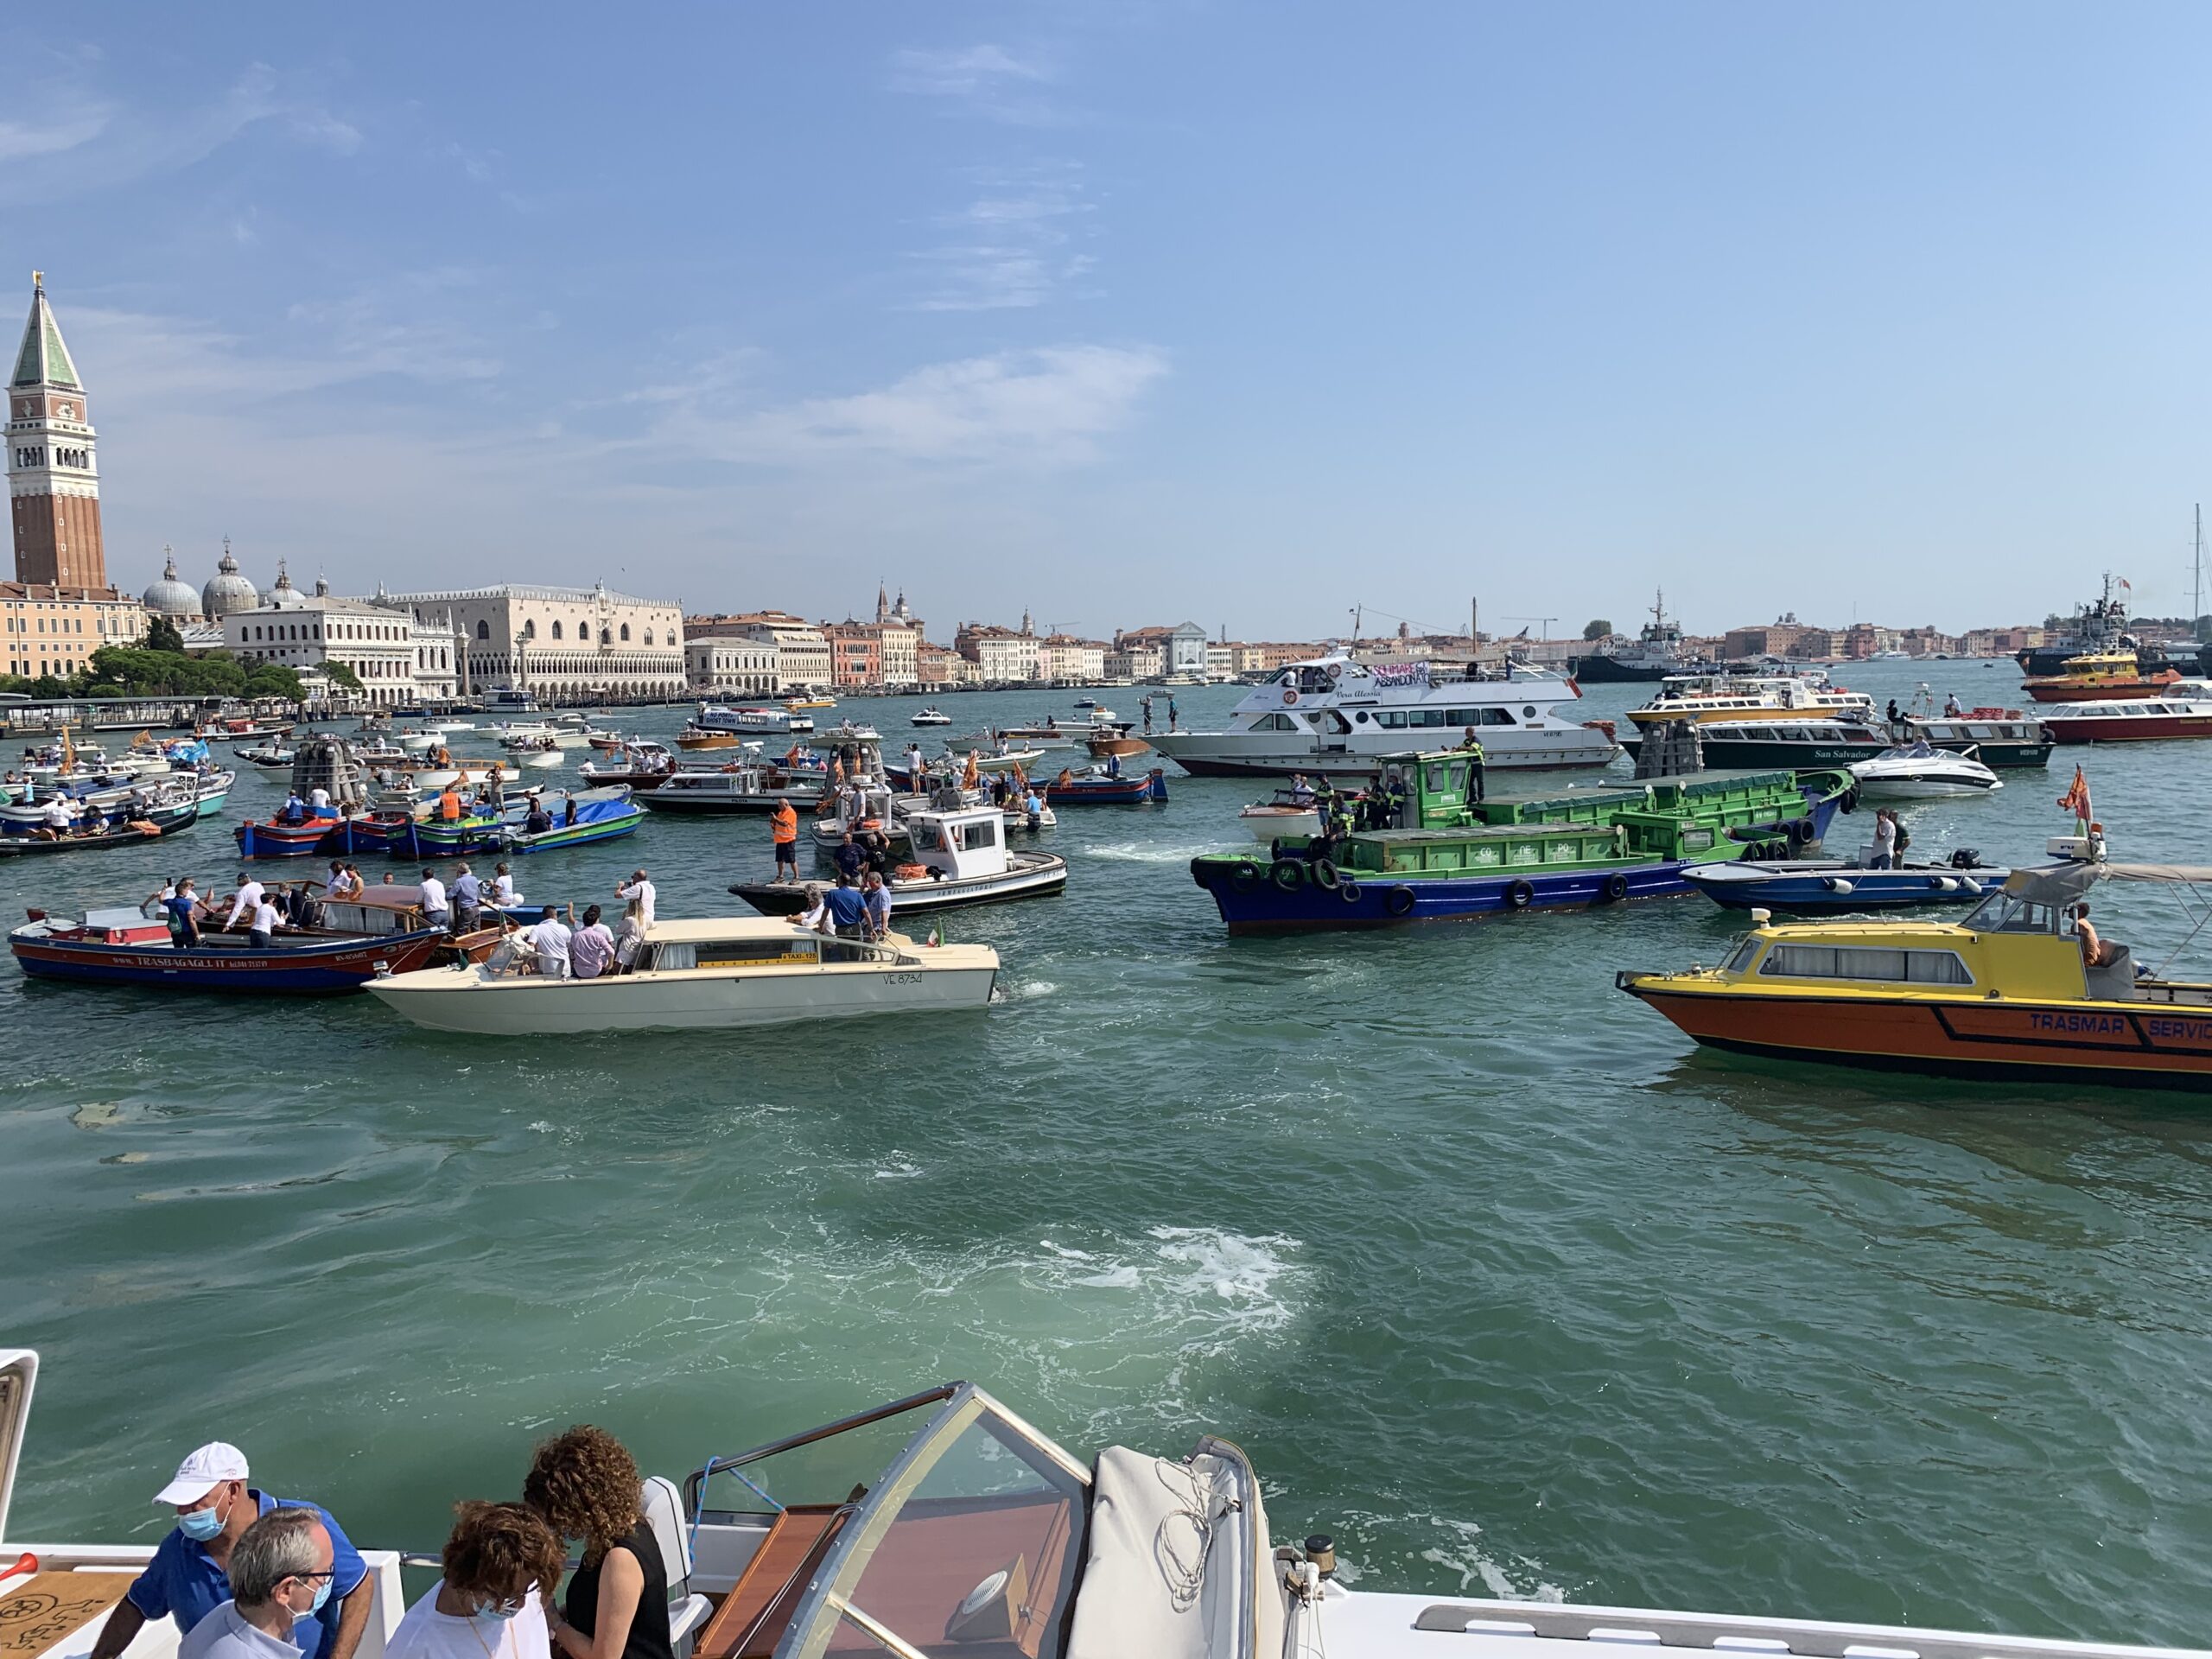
(501,1563)
(585,1484)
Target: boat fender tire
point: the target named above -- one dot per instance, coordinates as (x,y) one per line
(1798,831)
(1348,890)
(1288,874)
(1399,901)
(1520,895)
(1244,875)
(1850,801)
(1325,876)
(1616,888)
(1275,850)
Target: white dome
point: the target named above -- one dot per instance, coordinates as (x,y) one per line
(226,590)
(170,596)
(283,595)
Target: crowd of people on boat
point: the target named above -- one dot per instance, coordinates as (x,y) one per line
(561,944)
(852,908)
(247,1575)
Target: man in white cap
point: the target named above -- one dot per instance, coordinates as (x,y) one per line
(189,1575)
(281,1574)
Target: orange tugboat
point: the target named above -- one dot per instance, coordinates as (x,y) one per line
(2098,674)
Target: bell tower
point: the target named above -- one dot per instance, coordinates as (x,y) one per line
(53,487)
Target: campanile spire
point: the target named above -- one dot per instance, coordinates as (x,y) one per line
(53,490)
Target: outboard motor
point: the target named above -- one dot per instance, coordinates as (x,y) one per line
(1967,858)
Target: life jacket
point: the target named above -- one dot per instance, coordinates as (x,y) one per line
(450,806)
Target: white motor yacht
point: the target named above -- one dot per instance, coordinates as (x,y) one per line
(711,973)
(980,1534)
(932,716)
(959,858)
(1914,771)
(1335,717)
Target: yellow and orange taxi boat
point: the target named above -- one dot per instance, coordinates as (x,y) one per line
(2005,993)
(2098,674)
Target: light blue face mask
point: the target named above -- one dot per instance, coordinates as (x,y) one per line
(200,1525)
(321,1595)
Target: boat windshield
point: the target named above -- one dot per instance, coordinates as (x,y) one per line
(972,1537)
(2002,912)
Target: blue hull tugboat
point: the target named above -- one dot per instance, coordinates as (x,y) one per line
(1443,858)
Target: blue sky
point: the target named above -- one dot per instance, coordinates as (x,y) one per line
(1141,312)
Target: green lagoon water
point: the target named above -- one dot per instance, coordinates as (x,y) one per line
(1495,1277)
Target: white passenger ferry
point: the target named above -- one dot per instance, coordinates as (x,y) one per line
(1706,697)
(1336,718)
(750,720)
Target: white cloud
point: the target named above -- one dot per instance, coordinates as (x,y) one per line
(986,80)
(960,73)
(51,134)
(81,141)
(1012,247)
(1045,407)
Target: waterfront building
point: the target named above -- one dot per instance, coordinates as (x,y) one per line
(1182,649)
(49,630)
(729,662)
(566,644)
(937,666)
(398,656)
(855,655)
(1065,660)
(1001,656)
(801,651)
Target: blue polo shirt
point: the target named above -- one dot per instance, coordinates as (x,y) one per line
(183,1580)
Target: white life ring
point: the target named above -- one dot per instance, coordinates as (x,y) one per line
(1336,670)
(1289,698)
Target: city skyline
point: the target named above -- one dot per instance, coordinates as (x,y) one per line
(1023,307)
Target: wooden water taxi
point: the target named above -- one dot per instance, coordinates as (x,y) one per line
(717,973)
(2008,991)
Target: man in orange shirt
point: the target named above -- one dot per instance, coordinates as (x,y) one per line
(783,826)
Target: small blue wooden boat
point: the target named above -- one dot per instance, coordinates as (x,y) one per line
(1096,788)
(1807,886)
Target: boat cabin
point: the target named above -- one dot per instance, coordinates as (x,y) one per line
(688,946)
(971,842)
(2020,942)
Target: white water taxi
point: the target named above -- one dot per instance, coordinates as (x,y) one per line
(712,974)
(980,1535)
(1335,717)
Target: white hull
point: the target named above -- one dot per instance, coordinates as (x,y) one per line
(692,1000)
(1265,822)
(1916,789)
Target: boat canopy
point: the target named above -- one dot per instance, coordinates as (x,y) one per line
(2065,884)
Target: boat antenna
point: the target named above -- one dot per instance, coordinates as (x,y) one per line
(2197,604)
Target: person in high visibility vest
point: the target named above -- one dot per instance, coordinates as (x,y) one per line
(782,825)
(450,805)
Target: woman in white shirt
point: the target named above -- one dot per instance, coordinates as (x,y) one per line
(501,1561)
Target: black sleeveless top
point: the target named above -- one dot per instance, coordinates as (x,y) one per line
(649,1629)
